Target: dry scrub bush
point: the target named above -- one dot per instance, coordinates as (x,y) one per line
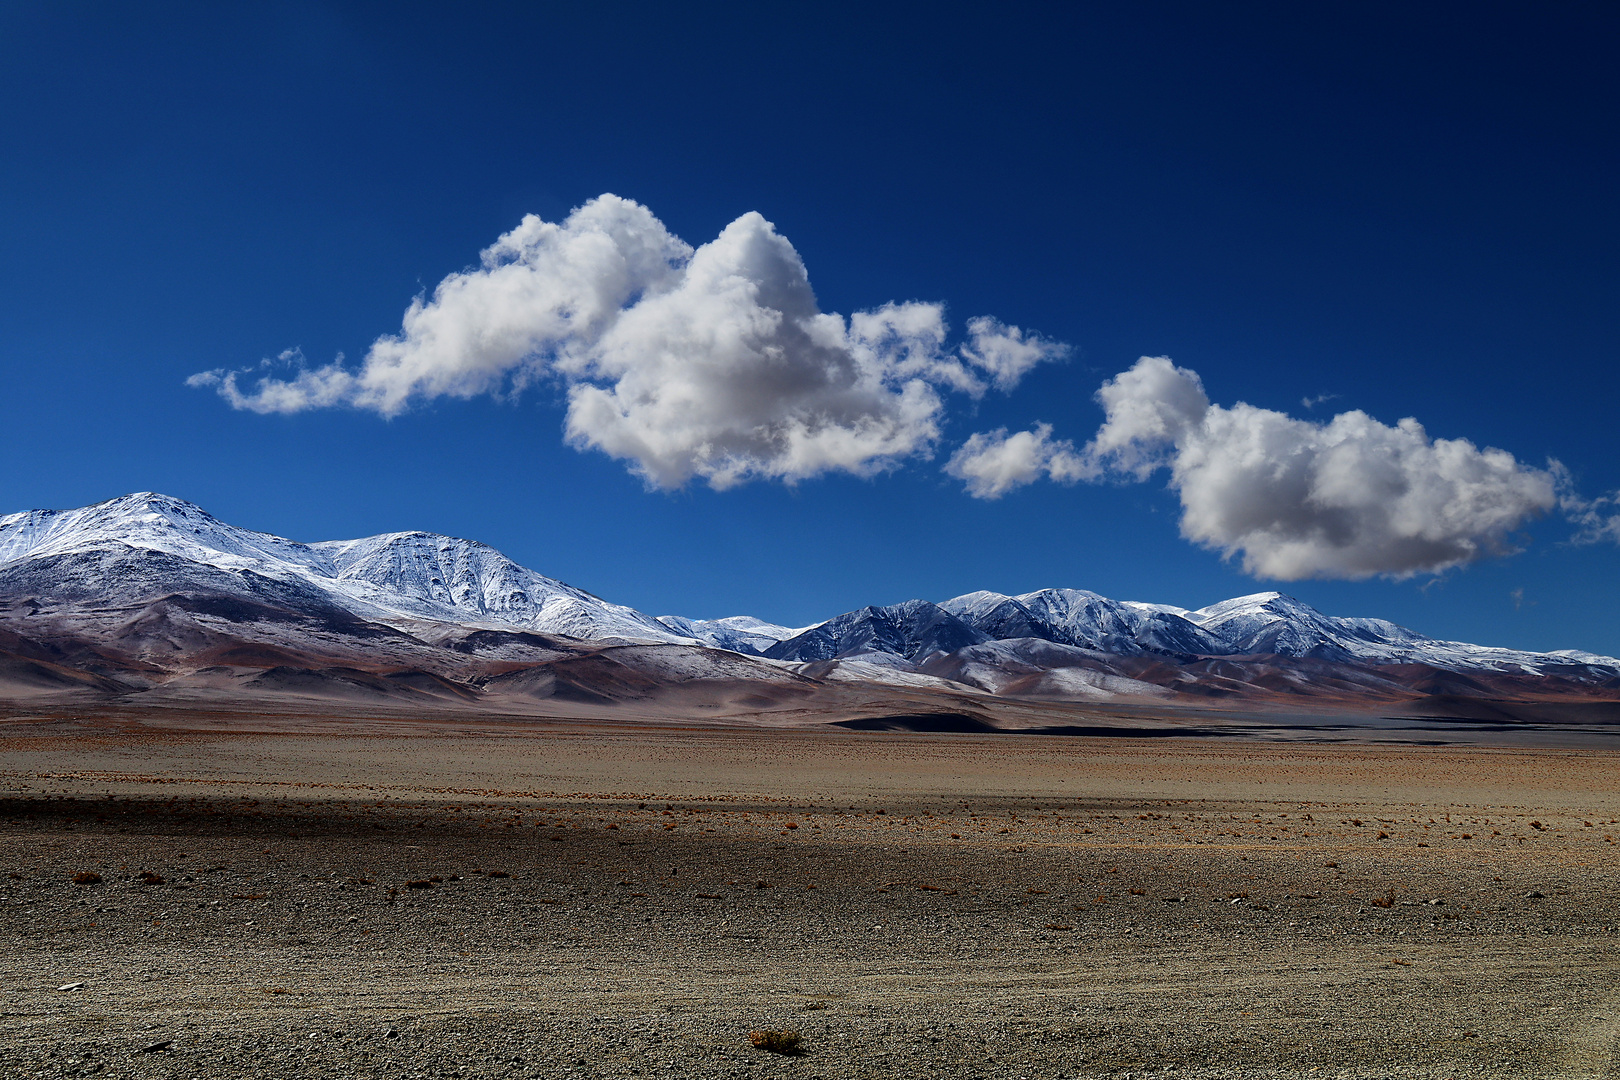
(778,1042)
(87,877)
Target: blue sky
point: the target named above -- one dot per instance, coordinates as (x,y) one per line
(1406,207)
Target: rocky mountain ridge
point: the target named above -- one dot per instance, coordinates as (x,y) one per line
(147,592)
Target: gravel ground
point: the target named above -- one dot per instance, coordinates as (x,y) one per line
(925,935)
(288,939)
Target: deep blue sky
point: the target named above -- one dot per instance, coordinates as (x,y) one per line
(1409,206)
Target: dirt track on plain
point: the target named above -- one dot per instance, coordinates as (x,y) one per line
(632,901)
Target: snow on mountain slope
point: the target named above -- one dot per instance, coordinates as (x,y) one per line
(1035,667)
(1276,624)
(1084,619)
(396,576)
(1271,622)
(150,522)
(856,670)
(1268,623)
(480,584)
(739,633)
(911,630)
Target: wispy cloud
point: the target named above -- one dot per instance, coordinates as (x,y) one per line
(1596,520)
(714,362)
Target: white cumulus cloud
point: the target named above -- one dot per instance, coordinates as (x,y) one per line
(1006,352)
(994,463)
(714,362)
(1347,498)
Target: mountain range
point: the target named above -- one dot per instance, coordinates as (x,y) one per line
(148,598)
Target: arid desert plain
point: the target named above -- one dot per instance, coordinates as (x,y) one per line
(303,895)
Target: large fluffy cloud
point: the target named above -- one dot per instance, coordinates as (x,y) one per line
(715,362)
(1346,498)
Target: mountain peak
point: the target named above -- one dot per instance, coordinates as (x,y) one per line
(146,498)
(413,575)
(138,503)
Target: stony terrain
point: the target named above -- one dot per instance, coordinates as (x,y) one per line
(407,902)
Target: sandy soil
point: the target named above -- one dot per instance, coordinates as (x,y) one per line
(632,900)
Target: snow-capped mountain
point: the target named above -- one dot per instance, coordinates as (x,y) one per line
(739,633)
(147,592)
(1270,622)
(143,543)
(1267,624)
(1086,620)
(912,630)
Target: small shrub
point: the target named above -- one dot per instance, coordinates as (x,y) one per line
(421,883)
(87,877)
(149,878)
(778,1042)
(1385,901)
